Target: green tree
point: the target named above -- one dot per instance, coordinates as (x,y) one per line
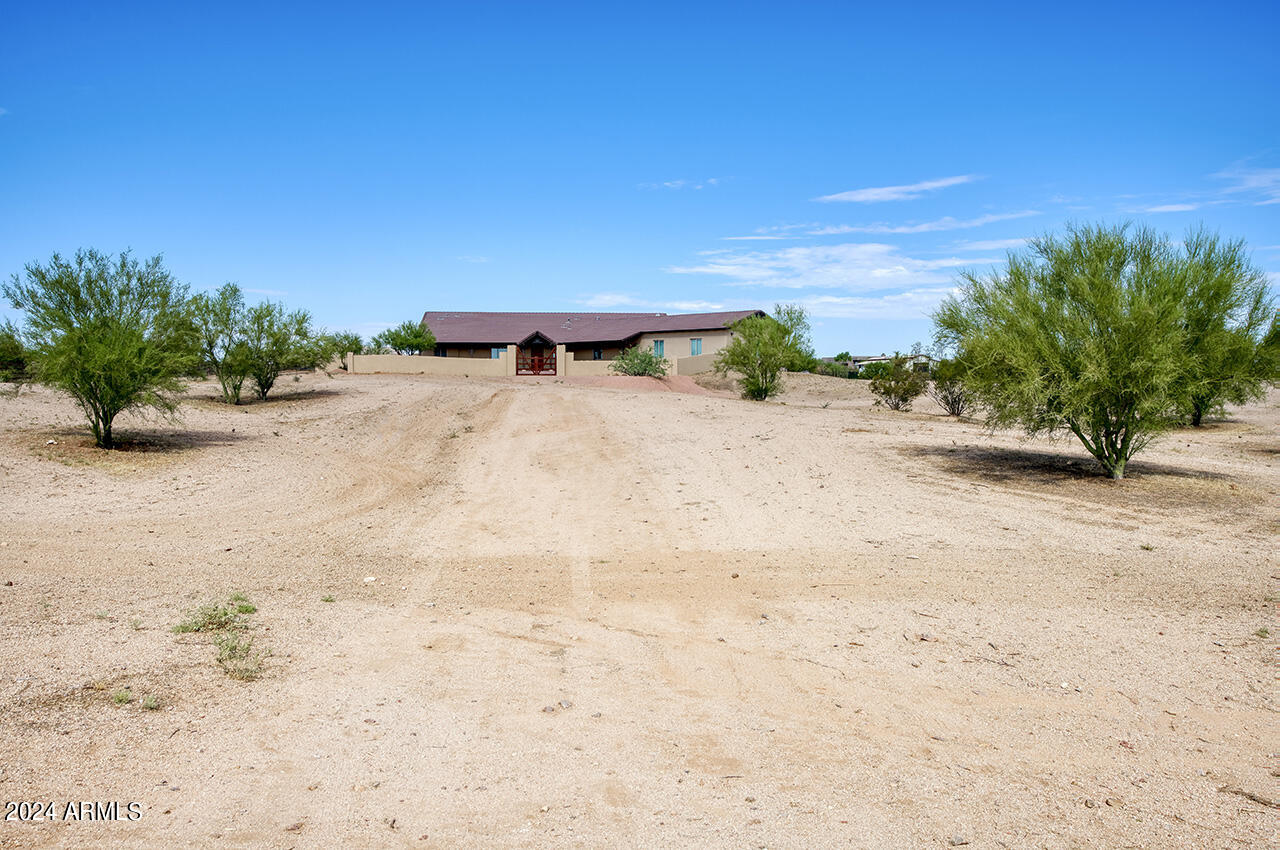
(13,356)
(406,338)
(759,351)
(639,361)
(799,343)
(1228,309)
(843,357)
(947,388)
(900,384)
(279,340)
(221,320)
(1083,332)
(874,369)
(343,343)
(112,333)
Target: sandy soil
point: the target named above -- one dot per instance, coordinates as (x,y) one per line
(601,616)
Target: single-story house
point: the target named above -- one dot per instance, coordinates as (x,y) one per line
(537,338)
(921,362)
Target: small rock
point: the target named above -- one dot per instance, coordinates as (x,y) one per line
(597,714)
(564,703)
(957,841)
(51,442)
(370,579)
(1090,804)
(549,708)
(1113,802)
(735,575)
(293,827)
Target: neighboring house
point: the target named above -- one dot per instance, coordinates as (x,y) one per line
(536,339)
(922,362)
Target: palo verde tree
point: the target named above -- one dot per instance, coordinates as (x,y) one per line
(406,338)
(221,319)
(112,333)
(1084,332)
(278,340)
(13,356)
(1228,310)
(760,349)
(946,387)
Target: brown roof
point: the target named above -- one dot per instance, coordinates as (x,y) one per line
(454,328)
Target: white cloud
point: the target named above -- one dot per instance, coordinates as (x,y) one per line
(1263,182)
(945,223)
(605,300)
(473,258)
(854,266)
(991,244)
(757,237)
(876,194)
(1169,208)
(610,300)
(683,184)
(912,304)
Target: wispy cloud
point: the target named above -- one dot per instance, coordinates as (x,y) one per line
(684,184)
(1260,182)
(613,300)
(1171,208)
(912,304)
(945,223)
(877,194)
(760,237)
(991,244)
(473,258)
(855,267)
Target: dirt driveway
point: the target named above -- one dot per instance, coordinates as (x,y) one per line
(594,616)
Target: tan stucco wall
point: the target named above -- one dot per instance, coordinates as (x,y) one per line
(587,367)
(396,364)
(676,345)
(694,365)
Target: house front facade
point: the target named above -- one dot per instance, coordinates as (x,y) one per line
(538,342)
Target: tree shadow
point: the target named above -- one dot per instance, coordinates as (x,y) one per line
(1037,466)
(70,441)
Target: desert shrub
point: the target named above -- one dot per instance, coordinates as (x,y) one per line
(237,656)
(1228,309)
(798,344)
(343,343)
(279,340)
(948,390)
(406,338)
(114,334)
(1085,332)
(834,370)
(13,355)
(639,361)
(874,369)
(758,352)
(901,383)
(224,349)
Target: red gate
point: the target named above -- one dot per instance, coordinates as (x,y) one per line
(535,362)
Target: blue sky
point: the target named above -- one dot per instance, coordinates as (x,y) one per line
(373,161)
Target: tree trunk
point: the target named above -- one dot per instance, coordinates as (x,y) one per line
(105,440)
(1197,414)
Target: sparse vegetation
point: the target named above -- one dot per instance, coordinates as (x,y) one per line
(122,697)
(220,319)
(237,656)
(901,384)
(406,338)
(327,599)
(639,361)
(1086,332)
(763,346)
(149,702)
(212,617)
(947,388)
(114,334)
(278,340)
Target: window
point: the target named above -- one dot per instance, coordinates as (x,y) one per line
(496,352)
(441,351)
(597,354)
(659,347)
(695,346)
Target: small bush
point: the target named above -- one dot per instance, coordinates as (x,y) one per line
(639,361)
(902,384)
(237,657)
(212,617)
(876,369)
(150,703)
(948,389)
(122,697)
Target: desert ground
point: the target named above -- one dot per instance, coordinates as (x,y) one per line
(622,613)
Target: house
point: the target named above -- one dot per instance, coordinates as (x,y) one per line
(536,341)
(921,362)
